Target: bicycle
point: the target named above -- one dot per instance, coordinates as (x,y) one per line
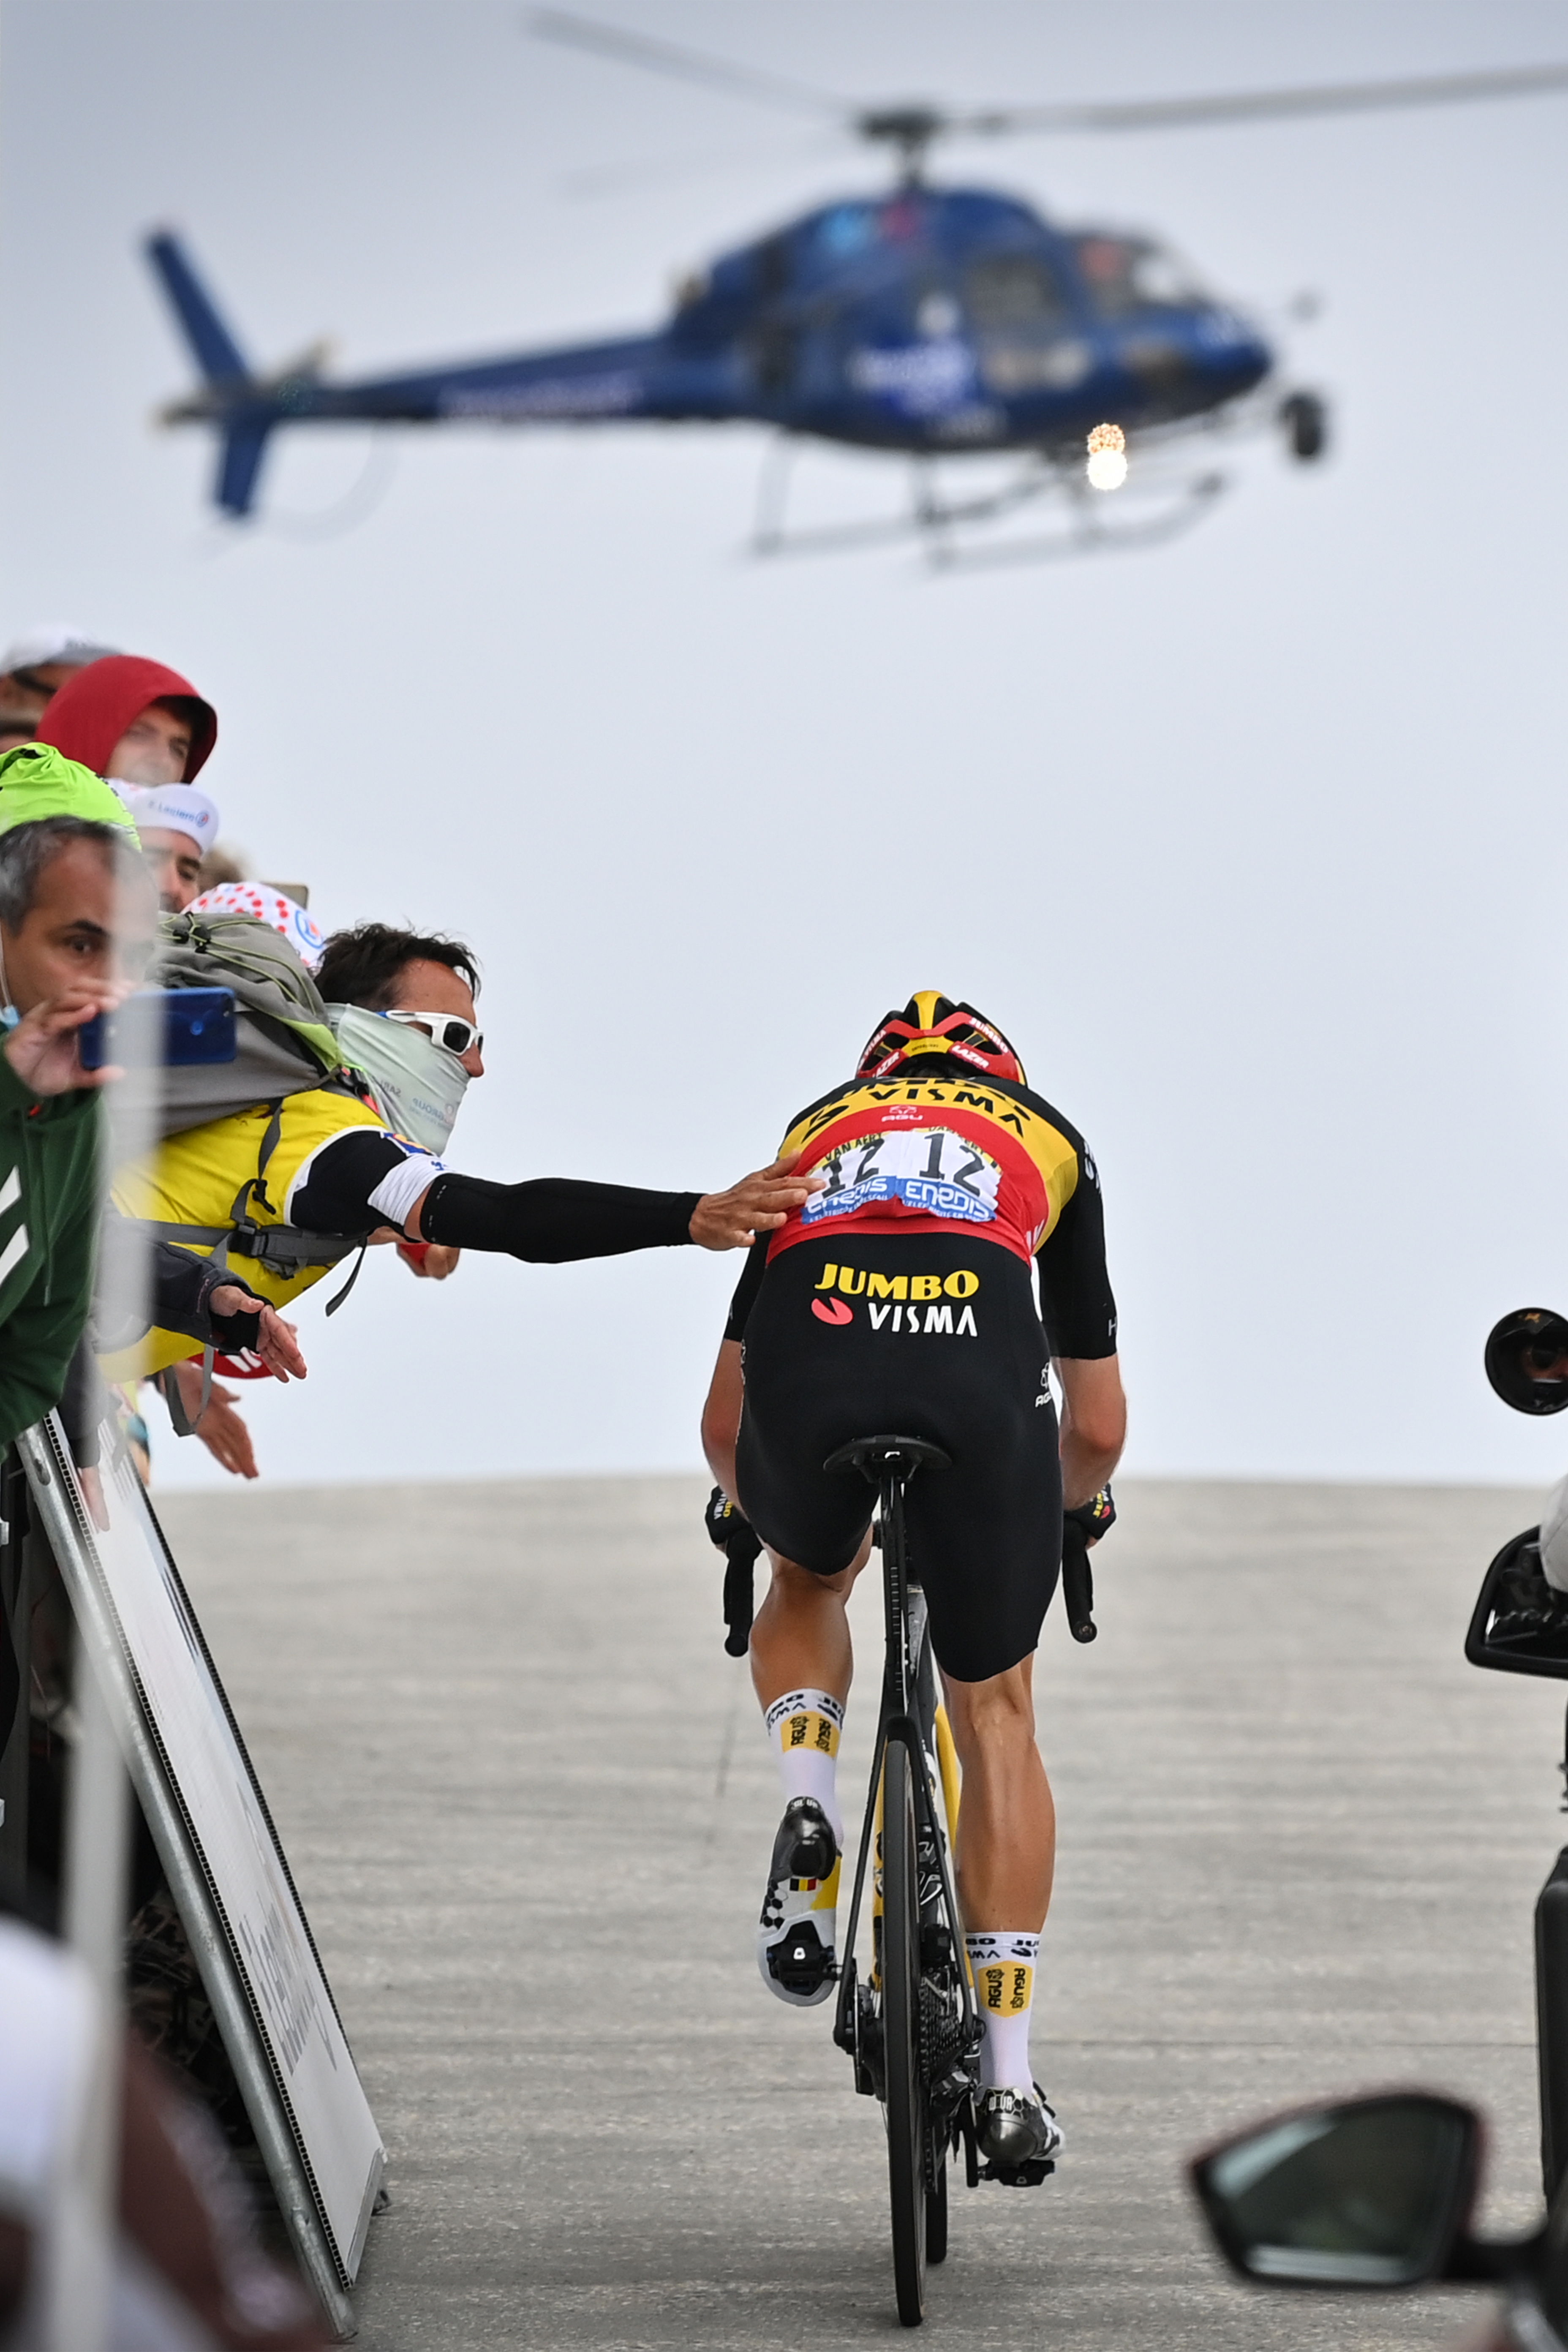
(912,2031)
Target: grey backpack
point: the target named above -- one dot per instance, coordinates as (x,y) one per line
(285,1044)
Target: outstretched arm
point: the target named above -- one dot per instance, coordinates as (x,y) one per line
(555,1218)
(366,1178)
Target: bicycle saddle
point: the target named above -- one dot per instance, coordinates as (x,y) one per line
(874,1455)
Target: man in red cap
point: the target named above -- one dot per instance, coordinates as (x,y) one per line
(132,721)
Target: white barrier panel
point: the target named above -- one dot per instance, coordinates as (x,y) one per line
(225,1863)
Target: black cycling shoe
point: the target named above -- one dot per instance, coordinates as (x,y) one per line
(796,1933)
(1020,2137)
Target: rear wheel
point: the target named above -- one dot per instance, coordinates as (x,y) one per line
(906,2106)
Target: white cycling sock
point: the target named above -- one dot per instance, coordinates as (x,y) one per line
(803,1727)
(1002,1961)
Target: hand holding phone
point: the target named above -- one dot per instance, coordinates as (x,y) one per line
(174,1028)
(42,1048)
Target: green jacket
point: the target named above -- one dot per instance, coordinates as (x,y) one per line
(48,1222)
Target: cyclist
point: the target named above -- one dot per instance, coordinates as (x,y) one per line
(899,1300)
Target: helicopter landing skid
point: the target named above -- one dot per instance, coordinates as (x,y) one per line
(950,529)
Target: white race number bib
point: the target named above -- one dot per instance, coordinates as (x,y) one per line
(929,1167)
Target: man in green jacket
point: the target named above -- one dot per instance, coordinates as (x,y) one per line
(77,918)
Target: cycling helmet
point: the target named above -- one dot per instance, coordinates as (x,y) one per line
(932,1023)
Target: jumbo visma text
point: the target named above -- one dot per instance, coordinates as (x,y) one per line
(899,1297)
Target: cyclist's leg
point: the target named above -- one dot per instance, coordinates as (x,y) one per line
(1006,1851)
(801,1667)
(1006,1826)
(989,1535)
(800,1644)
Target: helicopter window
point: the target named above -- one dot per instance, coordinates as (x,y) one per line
(1126,274)
(1010,293)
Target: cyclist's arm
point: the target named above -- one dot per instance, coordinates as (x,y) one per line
(722,1416)
(1094,1423)
(1078,1311)
(726,1391)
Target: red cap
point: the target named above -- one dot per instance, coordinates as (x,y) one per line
(92,710)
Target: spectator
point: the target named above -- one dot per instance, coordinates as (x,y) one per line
(266,903)
(76,912)
(33,670)
(132,720)
(177,825)
(222,866)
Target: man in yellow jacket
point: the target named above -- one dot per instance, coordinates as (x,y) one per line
(291,1187)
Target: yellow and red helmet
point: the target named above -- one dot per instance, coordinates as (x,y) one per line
(932,1023)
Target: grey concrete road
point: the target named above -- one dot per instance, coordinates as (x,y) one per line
(528,1805)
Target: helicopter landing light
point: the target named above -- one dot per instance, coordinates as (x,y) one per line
(1107,458)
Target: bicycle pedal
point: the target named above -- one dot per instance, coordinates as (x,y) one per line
(1020,2176)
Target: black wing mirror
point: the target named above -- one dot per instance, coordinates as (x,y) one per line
(1372,2192)
(1527,1360)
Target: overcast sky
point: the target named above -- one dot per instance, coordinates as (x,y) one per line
(1254,843)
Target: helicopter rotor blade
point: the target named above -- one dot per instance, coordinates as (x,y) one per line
(673,58)
(1262,105)
(594,180)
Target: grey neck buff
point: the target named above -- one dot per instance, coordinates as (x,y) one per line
(419,1086)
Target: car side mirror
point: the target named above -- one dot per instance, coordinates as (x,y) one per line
(1519,1624)
(1374,2192)
(1527,1360)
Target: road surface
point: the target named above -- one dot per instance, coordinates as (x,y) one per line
(528,1802)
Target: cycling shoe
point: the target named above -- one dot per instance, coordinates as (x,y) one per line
(1019,2136)
(805,1846)
(796,1934)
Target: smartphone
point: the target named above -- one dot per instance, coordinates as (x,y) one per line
(172,1026)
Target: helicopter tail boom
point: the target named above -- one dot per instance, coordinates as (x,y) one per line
(213,348)
(243,407)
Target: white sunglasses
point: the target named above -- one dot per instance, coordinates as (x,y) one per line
(445,1028)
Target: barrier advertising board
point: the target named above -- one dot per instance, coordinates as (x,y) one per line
(223,1859)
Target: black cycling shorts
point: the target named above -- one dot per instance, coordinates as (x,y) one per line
(932,1335)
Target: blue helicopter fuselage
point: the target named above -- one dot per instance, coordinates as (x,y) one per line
(928,321)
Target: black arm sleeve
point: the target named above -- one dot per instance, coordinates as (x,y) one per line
(1076,1302)
(746,1289)
(555,1218)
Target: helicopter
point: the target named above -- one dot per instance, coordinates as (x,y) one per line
(928,322)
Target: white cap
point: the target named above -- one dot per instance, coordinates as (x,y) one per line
(175,808)
(53,640)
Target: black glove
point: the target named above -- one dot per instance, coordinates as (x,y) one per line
(731,1532)
(1081,1526)
(232,1334)
(1096,1518)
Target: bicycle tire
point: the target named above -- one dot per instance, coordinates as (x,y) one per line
(906,2101)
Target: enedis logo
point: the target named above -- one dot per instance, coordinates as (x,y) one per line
(895,1301)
